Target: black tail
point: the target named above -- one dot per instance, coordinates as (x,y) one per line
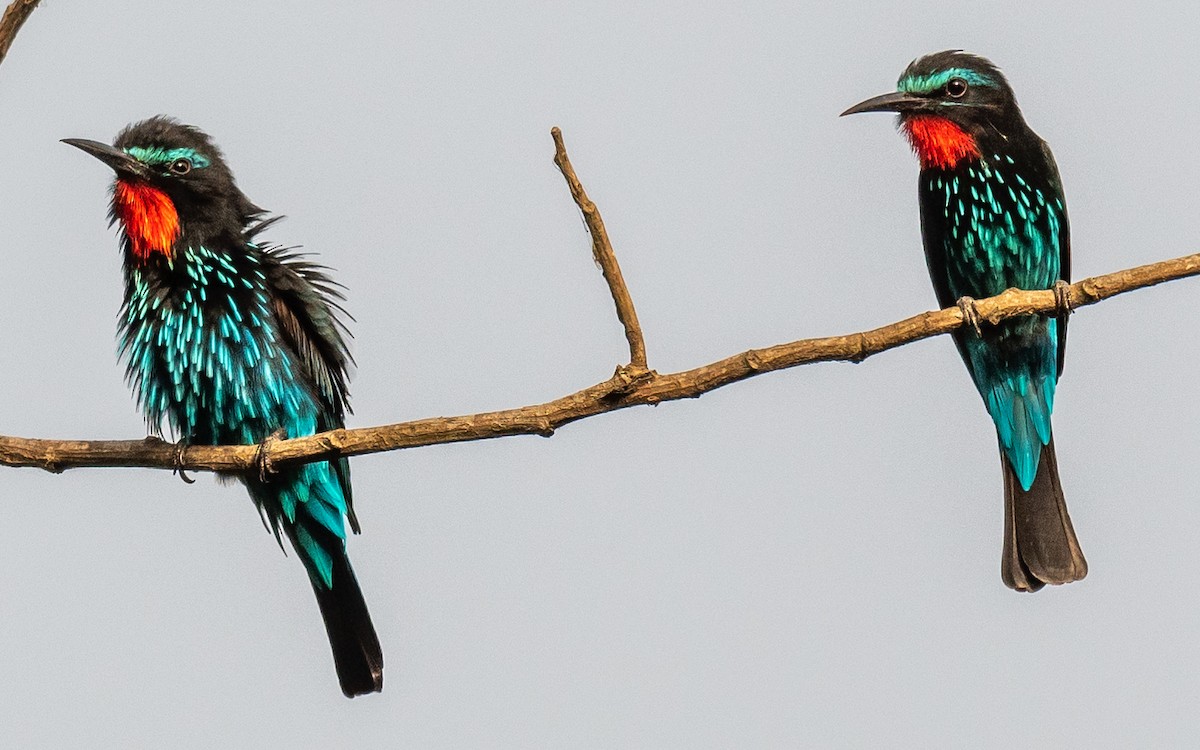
(356,652)
(1039,544)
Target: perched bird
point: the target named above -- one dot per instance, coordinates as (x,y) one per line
(232,341)
(993,217)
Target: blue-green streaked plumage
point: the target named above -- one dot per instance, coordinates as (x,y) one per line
(220,373)
(1004,233)
(160,156)
(923,84)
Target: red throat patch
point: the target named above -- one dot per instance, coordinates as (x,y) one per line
(149,217)
(938,142)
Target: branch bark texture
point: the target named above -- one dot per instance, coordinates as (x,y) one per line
(15,16)
(621,391)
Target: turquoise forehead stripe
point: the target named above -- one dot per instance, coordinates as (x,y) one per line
(156,155)
(935,81)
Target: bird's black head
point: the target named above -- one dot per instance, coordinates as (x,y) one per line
(950,100)
(171,181)
(959,86)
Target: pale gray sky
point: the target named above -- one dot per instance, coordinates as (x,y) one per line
(810,558)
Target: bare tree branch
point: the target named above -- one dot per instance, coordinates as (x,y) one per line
(15,15)
(630,386)
(615,393)
(602,252)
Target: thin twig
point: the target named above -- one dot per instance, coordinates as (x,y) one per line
(602,251)
(15,15)
(610,395)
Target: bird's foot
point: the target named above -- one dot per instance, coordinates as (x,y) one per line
(180,449)
(1062,298)
(970,313)
(266,469)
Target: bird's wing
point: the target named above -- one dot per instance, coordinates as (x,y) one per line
(306,303)
(1064,250)
(307,307)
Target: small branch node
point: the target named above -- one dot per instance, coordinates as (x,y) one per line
(626,378)
(863,349)
(753,360)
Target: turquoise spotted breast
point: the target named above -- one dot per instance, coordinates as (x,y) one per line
(206,352)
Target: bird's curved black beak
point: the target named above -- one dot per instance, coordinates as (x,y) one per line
(896,101)
(122,163)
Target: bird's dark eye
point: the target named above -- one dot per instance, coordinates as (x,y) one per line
(956,88)
(180,166)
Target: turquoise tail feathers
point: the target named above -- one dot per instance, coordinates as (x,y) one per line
(1015,369)
(308,507)
(1021,410)
(313,499)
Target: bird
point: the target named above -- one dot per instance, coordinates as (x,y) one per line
(230,340)
(993,216)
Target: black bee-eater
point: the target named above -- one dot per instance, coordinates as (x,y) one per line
(993,217)
(231,341)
